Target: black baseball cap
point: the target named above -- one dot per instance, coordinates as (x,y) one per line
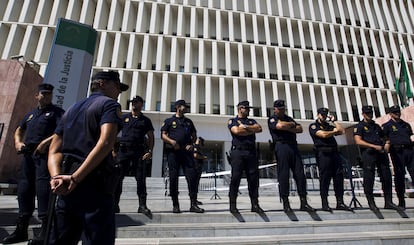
(367,109)
(136,99)
(244,104)
(110,76)
(280,104)
(323,111)
(395,109)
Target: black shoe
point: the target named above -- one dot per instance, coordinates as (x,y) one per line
(373,206)
(286,207)
(306,207)
(390,205)
(35,242)
(401,203)
(234,210)
(326,208)
(15,237)
(199,203)
(196,209)
(144,210)
(343,206)
(176,209)
(257,209)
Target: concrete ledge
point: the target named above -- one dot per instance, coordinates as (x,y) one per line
(8,189)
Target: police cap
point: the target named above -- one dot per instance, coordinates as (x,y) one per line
(280,104)
(180,103)
(110,76)
(395,109)
(367,109)
(323,111)
(136,99)
(45,87)
(244,104)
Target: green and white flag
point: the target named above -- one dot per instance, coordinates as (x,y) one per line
(402,83)
(70,62)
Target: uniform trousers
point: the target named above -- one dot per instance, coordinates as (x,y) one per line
(402,158)
(244,160)
(330,166)
(137,166)
(86,213)
(185,159)
(34,181)
(288,158)
(371,159)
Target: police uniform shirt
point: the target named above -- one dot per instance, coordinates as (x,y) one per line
(248,140)
(135,128)
(281,135)
(179,129)
(398,132)
(40,123)
(81,124)
(370,132)
(322,142)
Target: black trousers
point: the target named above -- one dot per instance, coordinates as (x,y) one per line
(402,158)
(33,182)
(373,159)
(288,158)
(137,166)
(184,159)
(244,161)
(330,168)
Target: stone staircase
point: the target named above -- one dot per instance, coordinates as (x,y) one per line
(218,226)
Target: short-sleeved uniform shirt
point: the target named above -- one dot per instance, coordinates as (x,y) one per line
(322,142)
(280,135)
(179,129)
(135,128)
(370,132)
(248,140)
(398,133)
(41,123)
(81,124)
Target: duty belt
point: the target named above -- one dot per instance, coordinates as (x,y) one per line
(285,142)
(243,147)
(407,146)
(326,148)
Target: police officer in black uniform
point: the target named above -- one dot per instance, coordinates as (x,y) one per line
(329,161)
(82,167)
(399,145)
(370,138)
(32,140)
(179,134)
(244,156)
(133,153)
(283,130)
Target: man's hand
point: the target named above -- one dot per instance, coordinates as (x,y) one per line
(62,184)
(147,156)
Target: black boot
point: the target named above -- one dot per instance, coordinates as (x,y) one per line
(286,205)
(401,203)
(142,208)
(256,208)
(20,234)
(304,206)
(389,204)
(176,205)
(340,205)
(233,207)
(371,204)
(194,207)
(325,204)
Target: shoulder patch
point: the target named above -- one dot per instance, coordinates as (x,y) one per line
(127,119)
(272,120)
(163,124)
(313,126)
(30,118)
(355,130)
(229,122)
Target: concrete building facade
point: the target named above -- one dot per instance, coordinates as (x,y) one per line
(312,53)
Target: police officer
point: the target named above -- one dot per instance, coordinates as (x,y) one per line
(32,139)
(329,161)
(133,153)
(283,130)
(244,156)
(82,167)
(370,138)
(399,145)
(179,134)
